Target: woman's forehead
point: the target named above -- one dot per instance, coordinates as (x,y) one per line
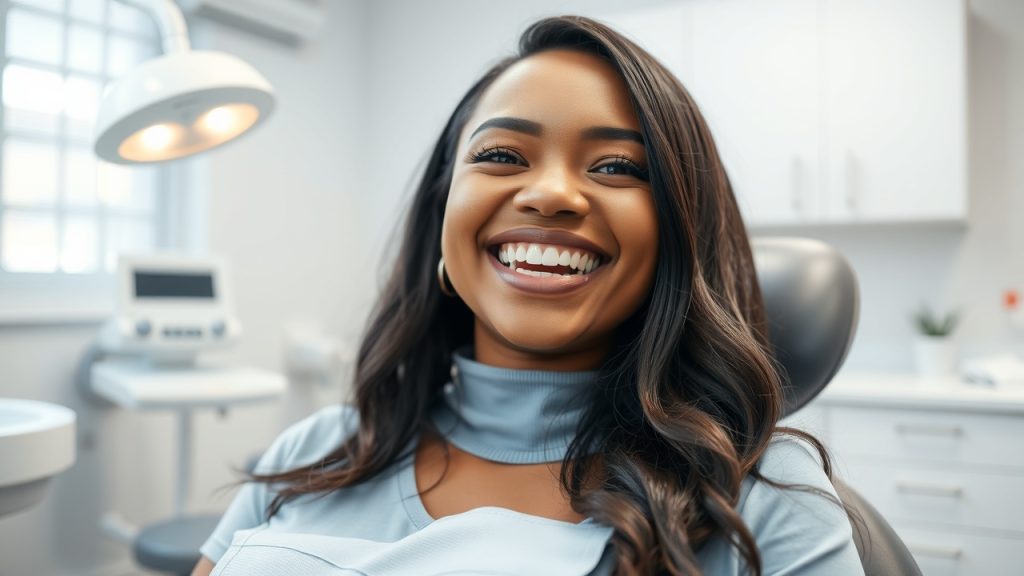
(561,90)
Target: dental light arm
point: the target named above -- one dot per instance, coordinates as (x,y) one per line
(169,20)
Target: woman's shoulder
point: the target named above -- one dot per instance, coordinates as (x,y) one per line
(788,460)
(801,523)
(310,439)
(792,459)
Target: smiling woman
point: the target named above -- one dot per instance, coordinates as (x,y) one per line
(568,371)
(553,177)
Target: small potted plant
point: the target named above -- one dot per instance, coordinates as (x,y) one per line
(935,351)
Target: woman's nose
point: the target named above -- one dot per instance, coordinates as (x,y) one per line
(554,192)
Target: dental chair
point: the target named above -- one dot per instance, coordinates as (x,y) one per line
(812,303)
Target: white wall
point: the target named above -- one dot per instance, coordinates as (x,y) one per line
(302,207)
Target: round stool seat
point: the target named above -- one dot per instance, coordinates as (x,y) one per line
(173,545)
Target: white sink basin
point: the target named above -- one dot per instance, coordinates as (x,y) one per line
(37,440)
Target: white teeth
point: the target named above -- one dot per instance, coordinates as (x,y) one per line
(580,262)
(534,255)
(521,253)
(538,273)
(550,257)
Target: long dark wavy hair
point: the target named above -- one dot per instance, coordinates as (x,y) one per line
(690,395)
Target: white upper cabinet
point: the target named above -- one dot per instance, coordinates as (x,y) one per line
(825,111)
(755,78)
(895,103)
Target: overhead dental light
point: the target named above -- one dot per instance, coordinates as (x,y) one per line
(180,103)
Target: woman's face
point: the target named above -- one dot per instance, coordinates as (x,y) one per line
(551,174)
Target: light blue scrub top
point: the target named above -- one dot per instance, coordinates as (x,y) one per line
(381,527)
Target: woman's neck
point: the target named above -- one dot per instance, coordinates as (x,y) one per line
(494,350)
(515,416)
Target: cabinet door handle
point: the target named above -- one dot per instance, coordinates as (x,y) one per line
(918,549)
(923,489)
(796,173)
(852,180)
(929,430)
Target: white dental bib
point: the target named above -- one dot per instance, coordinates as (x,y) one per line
(382,528)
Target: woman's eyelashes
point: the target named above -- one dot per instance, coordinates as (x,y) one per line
(498,155)
(620,165)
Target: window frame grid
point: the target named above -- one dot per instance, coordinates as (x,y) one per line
(101,213)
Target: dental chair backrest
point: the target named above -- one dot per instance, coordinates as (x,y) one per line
(811,300)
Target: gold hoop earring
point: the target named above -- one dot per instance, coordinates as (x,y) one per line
(440,278)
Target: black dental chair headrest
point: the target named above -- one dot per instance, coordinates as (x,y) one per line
(812,303)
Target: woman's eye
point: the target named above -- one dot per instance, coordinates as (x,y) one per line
(498,156)
(622,168)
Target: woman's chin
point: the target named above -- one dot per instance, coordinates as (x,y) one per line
(539,338)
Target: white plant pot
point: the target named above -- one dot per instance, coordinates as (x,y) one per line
(935,356)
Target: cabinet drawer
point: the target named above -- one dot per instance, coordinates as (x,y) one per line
(948,437)
(904,492)
(940,553)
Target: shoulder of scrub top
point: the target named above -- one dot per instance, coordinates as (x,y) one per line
(310,439)
(798,530)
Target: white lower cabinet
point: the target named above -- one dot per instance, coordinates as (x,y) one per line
(949,479)
(942,495)
(946,552)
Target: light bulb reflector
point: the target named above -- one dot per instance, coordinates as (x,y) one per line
(158,137)
(227,121)
(153,142)
(170,140)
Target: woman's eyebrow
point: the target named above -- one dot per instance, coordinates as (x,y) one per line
(535,129)
(516,124)
(609,133)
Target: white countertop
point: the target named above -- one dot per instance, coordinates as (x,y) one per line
(910,391)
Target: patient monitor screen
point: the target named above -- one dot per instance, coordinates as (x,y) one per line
(173,285)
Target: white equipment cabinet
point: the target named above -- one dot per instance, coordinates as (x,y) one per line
(171,308)
(942,461)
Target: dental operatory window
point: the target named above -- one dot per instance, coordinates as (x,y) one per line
(62,210)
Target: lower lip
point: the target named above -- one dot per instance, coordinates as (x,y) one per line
(555,284)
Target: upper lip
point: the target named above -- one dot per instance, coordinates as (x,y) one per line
(546,236)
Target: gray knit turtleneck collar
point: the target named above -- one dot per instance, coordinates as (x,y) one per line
(511,415)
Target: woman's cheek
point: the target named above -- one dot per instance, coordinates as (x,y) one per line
(637,223)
